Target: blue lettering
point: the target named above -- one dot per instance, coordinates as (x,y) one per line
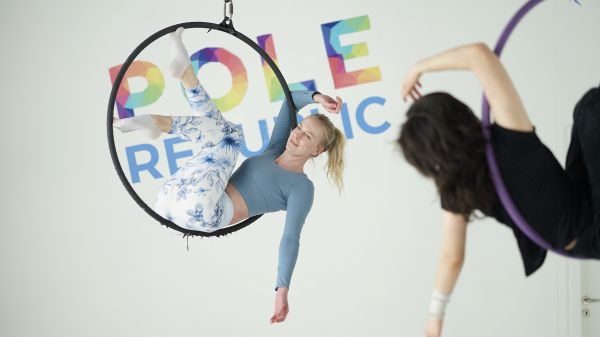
(150,166)
(346,121)
(264,136)
(360,116)
(133,152)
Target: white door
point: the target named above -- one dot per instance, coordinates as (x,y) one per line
(590,298)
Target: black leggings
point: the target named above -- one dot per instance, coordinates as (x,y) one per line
(583,166)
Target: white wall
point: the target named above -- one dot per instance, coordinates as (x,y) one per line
(79,258)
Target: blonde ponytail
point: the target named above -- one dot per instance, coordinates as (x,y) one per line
(334,144)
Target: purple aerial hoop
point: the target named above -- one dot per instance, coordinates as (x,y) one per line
(491,160)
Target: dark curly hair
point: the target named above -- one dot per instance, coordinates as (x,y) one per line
(442,138)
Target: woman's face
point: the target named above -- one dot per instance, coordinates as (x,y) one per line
(307,139)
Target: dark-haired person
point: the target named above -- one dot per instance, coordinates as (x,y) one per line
(443,140)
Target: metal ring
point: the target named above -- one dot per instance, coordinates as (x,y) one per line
(111,106)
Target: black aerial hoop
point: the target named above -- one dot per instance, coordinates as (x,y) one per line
(225,26)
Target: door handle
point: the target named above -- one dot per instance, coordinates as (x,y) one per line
(588,300)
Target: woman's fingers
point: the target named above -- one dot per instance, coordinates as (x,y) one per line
(411,88)
(417,93)
(407,90)
(331,107)
(339,102)
(413,96)
(413,92)
(279,316)
(330,104)
(404,94)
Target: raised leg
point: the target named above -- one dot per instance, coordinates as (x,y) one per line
(181,68)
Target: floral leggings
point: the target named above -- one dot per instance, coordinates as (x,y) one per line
(193,197)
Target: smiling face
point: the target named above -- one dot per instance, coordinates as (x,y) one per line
(307,139)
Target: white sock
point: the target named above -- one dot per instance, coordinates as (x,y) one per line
(180,58)
(144,123)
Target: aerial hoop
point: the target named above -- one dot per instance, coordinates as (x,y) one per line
(501,190)
(227,27)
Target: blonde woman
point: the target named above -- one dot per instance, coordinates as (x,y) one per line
(204,194)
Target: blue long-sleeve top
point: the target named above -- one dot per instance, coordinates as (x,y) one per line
(267,187)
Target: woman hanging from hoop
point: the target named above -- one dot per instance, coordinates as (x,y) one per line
(443,140)
(203,194)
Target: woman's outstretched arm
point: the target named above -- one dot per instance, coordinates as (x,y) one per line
(299,204)
(452,255)
(505,103)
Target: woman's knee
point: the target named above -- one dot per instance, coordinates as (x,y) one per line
(163,123)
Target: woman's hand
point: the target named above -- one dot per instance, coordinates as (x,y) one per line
(411,84)
(281,306)
(330,104)
(434,327)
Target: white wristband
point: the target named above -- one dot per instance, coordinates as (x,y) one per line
(437,307)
